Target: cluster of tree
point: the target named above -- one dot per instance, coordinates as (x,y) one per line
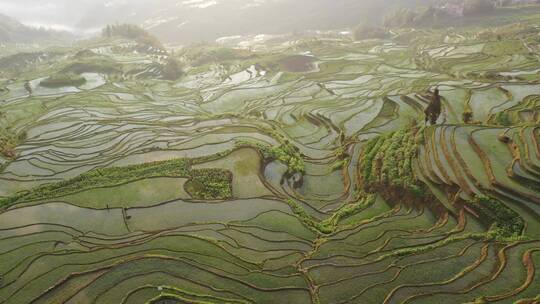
(172,69)
(63,80)
(210,184)
(135,32)
(386,162)
(94,65)
(8,141)
(286,152)
(506,223)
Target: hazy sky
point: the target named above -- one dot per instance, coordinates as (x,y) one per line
(52,12)
(201,20)
(71,13)
(58,13)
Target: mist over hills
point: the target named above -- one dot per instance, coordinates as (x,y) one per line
(205,20)
(13,31)
(189,21)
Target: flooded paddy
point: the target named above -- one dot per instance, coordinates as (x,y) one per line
(303,172)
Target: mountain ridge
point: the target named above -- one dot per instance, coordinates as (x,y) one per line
(13,31)
(195,21)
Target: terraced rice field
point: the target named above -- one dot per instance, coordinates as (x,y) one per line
(285,178)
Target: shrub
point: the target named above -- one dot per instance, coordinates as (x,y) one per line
(467,117)
(339,165)
(503,119)
(286,153)
(505,222)
(210,184)
(172,69)
(331,224)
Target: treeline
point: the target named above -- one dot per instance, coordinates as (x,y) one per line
(135,32)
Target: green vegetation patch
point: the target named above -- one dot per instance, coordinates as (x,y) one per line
(331,224)
(505,222)
(93,65)
(210,184)
(8,142)
(206,184)
(63,80)
(286,153)
(135,32)
(387,162)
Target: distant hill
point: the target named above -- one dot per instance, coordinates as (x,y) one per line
(456,13)
(13,31)
(206,20)
(191,21)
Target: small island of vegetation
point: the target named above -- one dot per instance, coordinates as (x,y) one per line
(63,80)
